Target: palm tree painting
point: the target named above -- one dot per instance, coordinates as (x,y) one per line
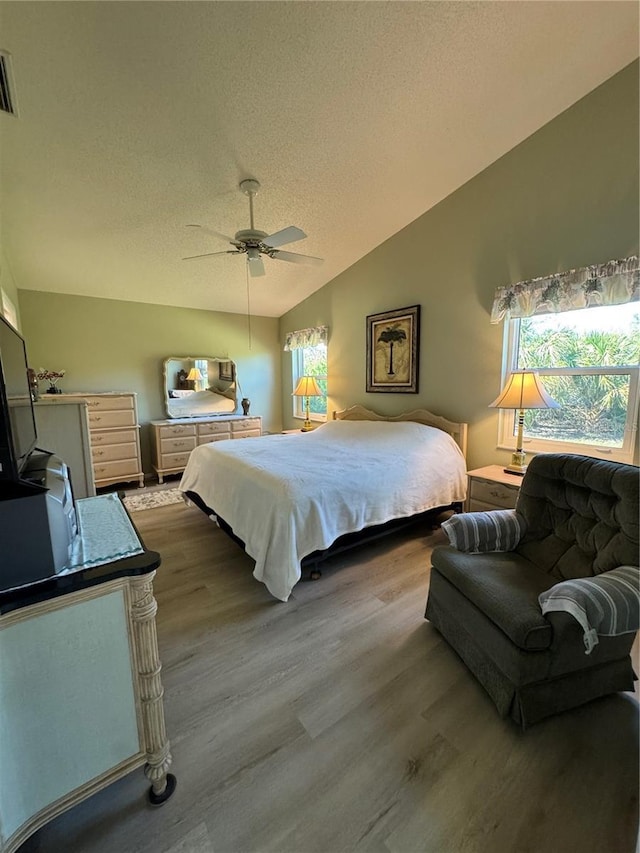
(392,350)
(392,335)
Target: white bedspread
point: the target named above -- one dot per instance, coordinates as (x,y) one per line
(286,496)
(199,404)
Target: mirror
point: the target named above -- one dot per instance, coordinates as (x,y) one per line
(199,387)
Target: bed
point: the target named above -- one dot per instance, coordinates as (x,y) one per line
(200,403)
(285,497)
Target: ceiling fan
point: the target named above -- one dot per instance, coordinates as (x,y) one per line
(254,243)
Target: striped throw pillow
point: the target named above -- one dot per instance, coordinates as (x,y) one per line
(478,532)
(605,605)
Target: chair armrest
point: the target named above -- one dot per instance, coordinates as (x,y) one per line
(479,532)
(606,605)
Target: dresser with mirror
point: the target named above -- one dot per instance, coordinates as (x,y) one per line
(201,399)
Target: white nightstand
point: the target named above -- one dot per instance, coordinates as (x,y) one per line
(492,487)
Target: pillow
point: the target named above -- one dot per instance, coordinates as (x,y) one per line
(478,532)
(606,605)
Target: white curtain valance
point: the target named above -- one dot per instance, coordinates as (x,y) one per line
(306,338)
(613,283)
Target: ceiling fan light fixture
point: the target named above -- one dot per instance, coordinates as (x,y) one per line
(256,243)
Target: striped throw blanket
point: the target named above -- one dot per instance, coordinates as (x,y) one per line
(479,532)
(605,605)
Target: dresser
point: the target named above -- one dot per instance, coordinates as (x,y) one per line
(80,688)
(114,434)
(175,438)
(492,487)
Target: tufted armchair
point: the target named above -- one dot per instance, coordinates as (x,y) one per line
(576,517)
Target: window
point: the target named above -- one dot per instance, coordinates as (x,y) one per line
(588,361)
(310,361)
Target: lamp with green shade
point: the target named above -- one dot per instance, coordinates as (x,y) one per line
(307,387)
(523,390)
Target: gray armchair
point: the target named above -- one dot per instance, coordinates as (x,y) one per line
(579,519)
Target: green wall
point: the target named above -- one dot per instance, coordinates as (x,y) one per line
(109,345)
(564,198)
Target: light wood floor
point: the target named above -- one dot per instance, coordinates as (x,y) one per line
(341,721)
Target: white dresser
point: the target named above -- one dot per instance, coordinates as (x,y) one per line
(175,438)
(114,434)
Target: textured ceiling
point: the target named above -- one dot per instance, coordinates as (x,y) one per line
(138,118)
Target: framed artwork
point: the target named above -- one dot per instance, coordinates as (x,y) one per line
(393,339)
(226,371)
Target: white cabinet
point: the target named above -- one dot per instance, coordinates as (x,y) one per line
(174,439)
(62,425)
(81,697)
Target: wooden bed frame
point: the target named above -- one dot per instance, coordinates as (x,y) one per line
(458,431)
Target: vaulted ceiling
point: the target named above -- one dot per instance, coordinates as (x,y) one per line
(136,119)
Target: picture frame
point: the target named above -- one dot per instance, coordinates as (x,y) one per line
(226,371)
(393,340)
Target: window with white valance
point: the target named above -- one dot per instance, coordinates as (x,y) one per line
(308,349)
(580,330)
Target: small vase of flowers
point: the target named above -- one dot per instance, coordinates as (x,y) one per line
(50,376)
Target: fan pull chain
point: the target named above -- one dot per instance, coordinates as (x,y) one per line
(246,266)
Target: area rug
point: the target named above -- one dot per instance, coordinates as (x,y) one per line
(151,500)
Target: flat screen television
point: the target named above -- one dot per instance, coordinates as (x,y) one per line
(17,419)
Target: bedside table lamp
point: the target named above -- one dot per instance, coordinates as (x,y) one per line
(195,376)
(307,387)
(523,390)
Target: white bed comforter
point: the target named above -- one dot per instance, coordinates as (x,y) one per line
(286,496)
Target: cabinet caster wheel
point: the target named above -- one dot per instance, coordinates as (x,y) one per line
(161,799)
(315,575)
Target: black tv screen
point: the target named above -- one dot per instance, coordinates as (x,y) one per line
(17,420)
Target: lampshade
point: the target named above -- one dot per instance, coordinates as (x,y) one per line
(523,390)
(307,387)
(194,375)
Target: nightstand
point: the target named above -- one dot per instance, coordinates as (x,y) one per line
(492,487)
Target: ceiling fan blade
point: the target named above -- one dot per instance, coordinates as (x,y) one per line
(287,235)
(211,254)
(256,266)
(213,233)
(294,258)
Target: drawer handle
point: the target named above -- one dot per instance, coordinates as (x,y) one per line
(96,419)
(101,470)
(179,443)
(94,402)
(99,452)
(498,494)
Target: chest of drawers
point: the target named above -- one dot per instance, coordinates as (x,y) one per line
(492,488)
(114,434)
(174,439)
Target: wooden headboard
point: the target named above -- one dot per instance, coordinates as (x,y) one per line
(421,416)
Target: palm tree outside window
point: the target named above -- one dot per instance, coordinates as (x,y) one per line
(588,360)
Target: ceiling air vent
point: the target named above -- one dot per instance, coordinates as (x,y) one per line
(7,98)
